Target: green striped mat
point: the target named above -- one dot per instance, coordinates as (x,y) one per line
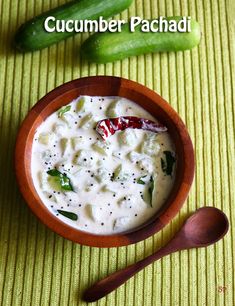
(37,267)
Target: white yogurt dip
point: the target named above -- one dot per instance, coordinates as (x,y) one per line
(97,186)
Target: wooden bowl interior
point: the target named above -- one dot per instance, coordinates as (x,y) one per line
(106,86)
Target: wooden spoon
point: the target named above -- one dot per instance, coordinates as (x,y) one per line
(206,226)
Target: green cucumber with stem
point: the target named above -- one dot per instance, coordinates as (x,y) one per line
(109,47)
(32,36)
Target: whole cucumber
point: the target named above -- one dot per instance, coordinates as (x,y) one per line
(109,47)
(32,35)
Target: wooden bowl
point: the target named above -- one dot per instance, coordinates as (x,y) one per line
(106,86)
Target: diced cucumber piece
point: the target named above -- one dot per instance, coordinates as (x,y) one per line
(102,175)
(151,136)
(42,177)
(117,155)
(95,212)
(107,188)
(117,172)
(54,183)
(150,146)
(146,164)
(88,187)
(80,107)
(64,144)
(67,167)
(46,156)
(87,121)
(134,156)
(68,118)
(112,110)
(127,137)
(120,175)
(76,142)
(84,158)
(58,129)
(144,161)
(101,147)
(121,222)
(45,138)
(100,163)
(63,110)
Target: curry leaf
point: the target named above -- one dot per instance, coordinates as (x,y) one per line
(68,214)
(148,193)
(54,172)
(167,164)
(141,180)
(150,190)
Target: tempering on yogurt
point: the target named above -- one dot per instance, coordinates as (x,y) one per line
(98,186)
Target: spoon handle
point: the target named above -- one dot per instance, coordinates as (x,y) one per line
(116,279)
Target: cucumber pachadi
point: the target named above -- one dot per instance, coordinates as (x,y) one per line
(109,47)
(32,35)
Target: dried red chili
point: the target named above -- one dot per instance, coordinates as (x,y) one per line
(110,126)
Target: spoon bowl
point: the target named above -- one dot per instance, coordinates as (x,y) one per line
(206,226)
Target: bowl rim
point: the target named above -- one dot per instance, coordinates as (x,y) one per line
(29,194)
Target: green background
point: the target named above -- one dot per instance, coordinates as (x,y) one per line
(37,267)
